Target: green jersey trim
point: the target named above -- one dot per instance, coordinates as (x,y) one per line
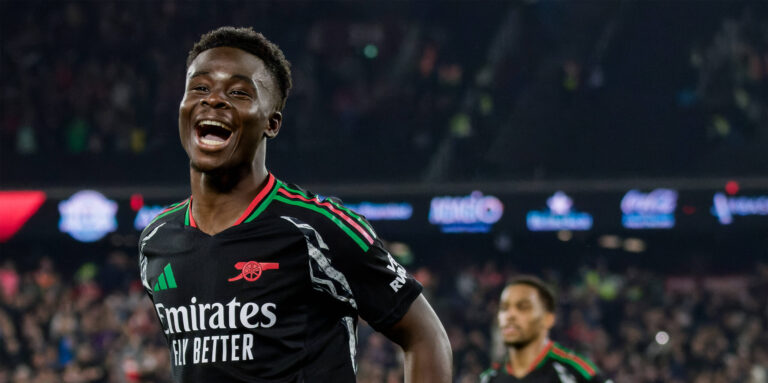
(326,213)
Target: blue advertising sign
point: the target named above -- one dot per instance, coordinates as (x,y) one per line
(389,211)
(559,216)
(725,207)
(654,210)
(88,216)
(475,213)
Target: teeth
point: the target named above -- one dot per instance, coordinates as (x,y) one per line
(211,142)
(214,123)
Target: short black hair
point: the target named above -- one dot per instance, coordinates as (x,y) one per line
(254,43)
(546,294)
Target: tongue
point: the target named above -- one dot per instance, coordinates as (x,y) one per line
(213,137)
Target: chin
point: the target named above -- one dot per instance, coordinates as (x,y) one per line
(517,343)
(204,167)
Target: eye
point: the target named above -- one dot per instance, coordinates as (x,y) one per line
(238,92)
(199,88)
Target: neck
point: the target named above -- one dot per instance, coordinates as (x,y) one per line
(220,197)
(522,359)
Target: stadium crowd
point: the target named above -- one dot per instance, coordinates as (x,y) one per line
(115,75)
(97,325)
(456,101)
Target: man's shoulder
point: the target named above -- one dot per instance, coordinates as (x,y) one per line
(173,212)
(576,363)
(325,214)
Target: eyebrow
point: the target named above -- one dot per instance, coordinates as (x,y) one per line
(236,76)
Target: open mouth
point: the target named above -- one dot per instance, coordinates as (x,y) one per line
(213,133)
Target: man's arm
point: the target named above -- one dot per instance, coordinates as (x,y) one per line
(423,339)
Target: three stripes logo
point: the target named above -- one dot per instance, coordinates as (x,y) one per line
(166,280)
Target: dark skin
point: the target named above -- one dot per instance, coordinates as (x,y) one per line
(233,88)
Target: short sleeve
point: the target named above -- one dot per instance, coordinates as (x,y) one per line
(384,290)
(350,264)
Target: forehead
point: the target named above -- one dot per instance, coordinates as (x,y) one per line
(229,61)
(516,293)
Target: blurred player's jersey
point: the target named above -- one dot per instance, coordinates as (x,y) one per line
(276,296)
(555,364)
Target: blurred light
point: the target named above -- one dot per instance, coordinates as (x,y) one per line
(722,126)
(486,104)
(371,51)
(596,78)
(450,74)
(609,241)
(564,235)
(402,252)
(688,210)
(741,97)
(731,187)
(461,125)
(137,202)
(662,337)
(634,245)
(427,62)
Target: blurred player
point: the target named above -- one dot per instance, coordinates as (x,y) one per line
(526,314)
(254,279)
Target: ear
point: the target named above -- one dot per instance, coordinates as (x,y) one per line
(549,320)
(275,121)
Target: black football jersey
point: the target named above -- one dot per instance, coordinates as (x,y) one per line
(555,364)
(275,297)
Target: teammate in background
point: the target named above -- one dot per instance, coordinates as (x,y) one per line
(526,314)
(254,279)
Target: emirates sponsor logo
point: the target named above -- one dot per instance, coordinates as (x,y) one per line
(225,347)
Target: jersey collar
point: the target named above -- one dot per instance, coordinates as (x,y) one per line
(536,362)
(260,198)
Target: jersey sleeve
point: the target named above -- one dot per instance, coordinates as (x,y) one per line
(381,290)
(382,287)
(149,232)
(143,261)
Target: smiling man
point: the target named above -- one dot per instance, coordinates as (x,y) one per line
(257,280)
(526,314)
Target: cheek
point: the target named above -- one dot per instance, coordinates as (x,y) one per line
(185,106)
(253,114)
(537,323)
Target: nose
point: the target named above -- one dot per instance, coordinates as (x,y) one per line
(215,100)
(509,315)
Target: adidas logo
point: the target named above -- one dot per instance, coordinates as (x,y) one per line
(166,280)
